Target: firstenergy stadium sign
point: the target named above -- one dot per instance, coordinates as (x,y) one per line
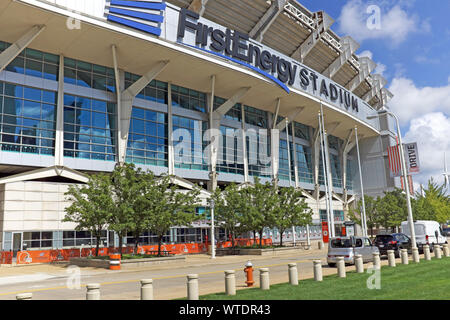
(237,47)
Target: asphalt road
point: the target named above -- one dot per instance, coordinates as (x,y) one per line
(168,282)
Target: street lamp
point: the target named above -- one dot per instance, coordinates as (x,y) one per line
(213,244)
(405,174)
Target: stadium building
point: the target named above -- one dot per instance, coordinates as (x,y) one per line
(86,84)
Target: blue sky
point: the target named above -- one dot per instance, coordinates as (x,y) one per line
(412,49)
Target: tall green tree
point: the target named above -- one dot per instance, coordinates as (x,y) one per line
(91,206)
(229,205)
(168,207)
(291,210)
(261,203)
(434,204)
(125,180)
(392,208)
(372,213)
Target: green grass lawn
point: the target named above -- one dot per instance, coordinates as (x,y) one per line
(428,280)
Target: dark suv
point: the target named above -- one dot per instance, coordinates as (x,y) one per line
(394,241)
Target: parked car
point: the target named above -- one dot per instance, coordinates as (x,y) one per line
(394,241)
(342,247)
(427,232)
(446,232)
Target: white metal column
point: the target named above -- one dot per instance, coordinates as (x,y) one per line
(363,216)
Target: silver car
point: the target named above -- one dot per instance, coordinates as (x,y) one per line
(342,247)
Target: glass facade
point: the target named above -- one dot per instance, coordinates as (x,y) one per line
(89,75)
(189,154)
(284,164)
(304,162)
(34,63)
(336,170)
(147,140)
(28,117)
(155,91)
(89,128)
(231,160)
(188,99)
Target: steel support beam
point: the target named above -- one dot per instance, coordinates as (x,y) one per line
(378,83)
(291,116)
(349,47)
(365,68)
(59,134)
(323,23)
(17,47)
(267,19)
(227,105)
(126,97)
(198,6)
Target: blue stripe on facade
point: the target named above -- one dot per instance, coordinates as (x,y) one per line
(265,74)
(135,25)
(139,4)
(136,14)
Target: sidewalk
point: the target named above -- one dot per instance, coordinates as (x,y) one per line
(193,260)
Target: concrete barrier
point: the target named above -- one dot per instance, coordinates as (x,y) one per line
(391,258)
(340,267)
(264,280)
(446,250)
(230,283)
(24,296)
(317,270)
(415,255)
(192,286)
(147,289)
(293,274)
(93,291)
(359,264)
(376,260)
(404,255)
(437,251)
(426,252)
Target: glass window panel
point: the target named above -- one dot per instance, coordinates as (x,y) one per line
(48,57)
(85,66)
(98,105)
(32,109)
(33,54)
(49,96)
(32,94)
(48,112)
(70,76)
(17,65)
(98,119)
(33,68)
(50,72)
(13,90)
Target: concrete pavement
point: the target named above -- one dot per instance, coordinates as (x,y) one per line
(50,282)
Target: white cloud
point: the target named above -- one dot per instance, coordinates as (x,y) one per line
(395,24)
(431,132)
(410,102)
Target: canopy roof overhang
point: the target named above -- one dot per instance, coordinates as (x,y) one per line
(138,52)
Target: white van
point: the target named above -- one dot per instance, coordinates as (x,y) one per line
(427,232)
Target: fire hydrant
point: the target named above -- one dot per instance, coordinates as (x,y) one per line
(249,273)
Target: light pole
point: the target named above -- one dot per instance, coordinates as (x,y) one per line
(213,244)
(405,175)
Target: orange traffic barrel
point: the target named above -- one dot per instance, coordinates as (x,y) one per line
(114,262)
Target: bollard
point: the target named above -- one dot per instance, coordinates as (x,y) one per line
(446,250)
(147,289)
(391,258)
(317,270)
(437,251)
(93,291)
(404,255)
(320,245)
(230,283)
(264,281)
(415,255)
(24,296)
(293,274)
(426,252)
(341,267)
(192,286)
(376,260)
(359,264)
